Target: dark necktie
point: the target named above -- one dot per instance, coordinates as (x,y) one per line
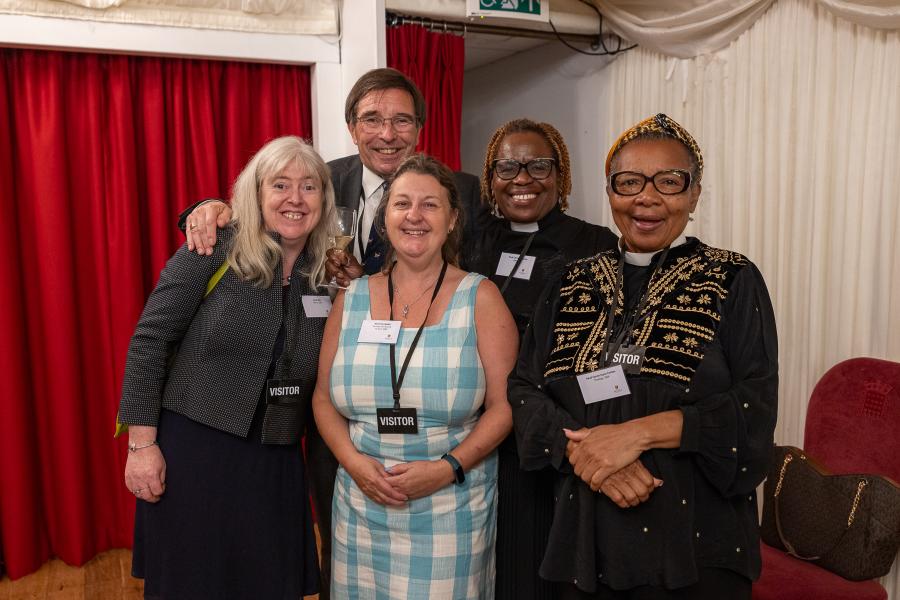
(373,257)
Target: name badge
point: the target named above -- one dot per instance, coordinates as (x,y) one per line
(379,332)
(283,392)
(316,306)
(397,420)
(508,261)
(630,358)
(603,384)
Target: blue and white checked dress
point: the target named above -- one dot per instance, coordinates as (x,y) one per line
(438,547)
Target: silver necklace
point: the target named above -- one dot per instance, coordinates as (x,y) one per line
(405,308)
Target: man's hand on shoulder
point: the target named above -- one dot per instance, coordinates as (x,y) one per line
(201,224)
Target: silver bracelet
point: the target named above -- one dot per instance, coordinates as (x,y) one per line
(132,447)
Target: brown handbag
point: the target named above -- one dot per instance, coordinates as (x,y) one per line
(847,524)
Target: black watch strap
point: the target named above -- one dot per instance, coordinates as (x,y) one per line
(458,472)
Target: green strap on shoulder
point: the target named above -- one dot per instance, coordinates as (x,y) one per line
(210,286)
(214,280)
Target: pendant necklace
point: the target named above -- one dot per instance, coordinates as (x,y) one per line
(404,310)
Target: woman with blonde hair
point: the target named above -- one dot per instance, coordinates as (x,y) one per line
(217,389)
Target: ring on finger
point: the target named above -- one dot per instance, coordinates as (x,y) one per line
(193,226)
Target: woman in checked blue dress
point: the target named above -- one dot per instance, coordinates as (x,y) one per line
(411,398)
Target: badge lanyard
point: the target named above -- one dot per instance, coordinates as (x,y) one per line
(396,382)
(281,377)
(518,262)
(609,352)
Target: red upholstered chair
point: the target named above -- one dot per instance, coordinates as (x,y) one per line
(851,427)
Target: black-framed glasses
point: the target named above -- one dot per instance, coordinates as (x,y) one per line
(629,183)
(374,123)
(538,168)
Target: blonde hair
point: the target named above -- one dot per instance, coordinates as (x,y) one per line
(255,254)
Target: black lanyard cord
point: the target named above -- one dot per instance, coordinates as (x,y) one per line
(397,383)
(290,342)
(518,262)
(610,351)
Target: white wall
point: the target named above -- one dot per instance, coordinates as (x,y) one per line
(549,83)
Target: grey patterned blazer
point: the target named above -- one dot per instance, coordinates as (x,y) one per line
(224,346)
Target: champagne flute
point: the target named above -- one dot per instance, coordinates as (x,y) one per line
(343,234)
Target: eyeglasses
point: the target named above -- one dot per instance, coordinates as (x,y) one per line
(628,183)
(374,123)
(538,168)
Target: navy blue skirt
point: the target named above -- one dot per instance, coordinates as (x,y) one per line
(234,521)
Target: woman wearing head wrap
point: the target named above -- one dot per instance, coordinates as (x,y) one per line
(653,363)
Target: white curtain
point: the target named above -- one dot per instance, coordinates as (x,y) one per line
(799,122)
(298,17)
(688,28)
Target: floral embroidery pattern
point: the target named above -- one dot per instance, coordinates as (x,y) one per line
(681,317)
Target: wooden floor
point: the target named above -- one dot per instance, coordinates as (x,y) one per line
(106,577)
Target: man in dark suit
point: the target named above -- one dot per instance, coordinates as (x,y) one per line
(385,113)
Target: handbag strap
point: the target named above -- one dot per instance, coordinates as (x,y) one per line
(214,280)
(788,546)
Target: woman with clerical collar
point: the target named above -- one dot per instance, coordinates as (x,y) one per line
(648,381)
(526,180)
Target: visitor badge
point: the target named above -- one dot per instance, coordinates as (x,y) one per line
(508,261)
(630,358)
(397,420)
(316,306)
(603,384)
(379,332)
(283,392)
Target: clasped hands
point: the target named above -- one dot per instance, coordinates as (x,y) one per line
(606,458)
(402,482)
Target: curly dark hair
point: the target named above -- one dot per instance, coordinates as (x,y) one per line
(553,138)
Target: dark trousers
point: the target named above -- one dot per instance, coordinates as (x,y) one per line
(321,468)
(714,584)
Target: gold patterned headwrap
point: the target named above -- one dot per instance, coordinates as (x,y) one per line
(659,124)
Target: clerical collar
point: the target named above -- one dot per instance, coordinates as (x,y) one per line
(642,259)
(370,182)
(524,227)
(547,221)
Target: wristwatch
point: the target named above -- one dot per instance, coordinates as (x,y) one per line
(458,472)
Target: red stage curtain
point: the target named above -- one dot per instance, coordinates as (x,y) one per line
(98,154)
(435,62)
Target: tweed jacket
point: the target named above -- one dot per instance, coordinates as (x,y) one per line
(346,176)
(224,348)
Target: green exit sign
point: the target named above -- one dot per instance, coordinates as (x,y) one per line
(533,10)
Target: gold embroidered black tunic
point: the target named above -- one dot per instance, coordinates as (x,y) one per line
(711,352)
